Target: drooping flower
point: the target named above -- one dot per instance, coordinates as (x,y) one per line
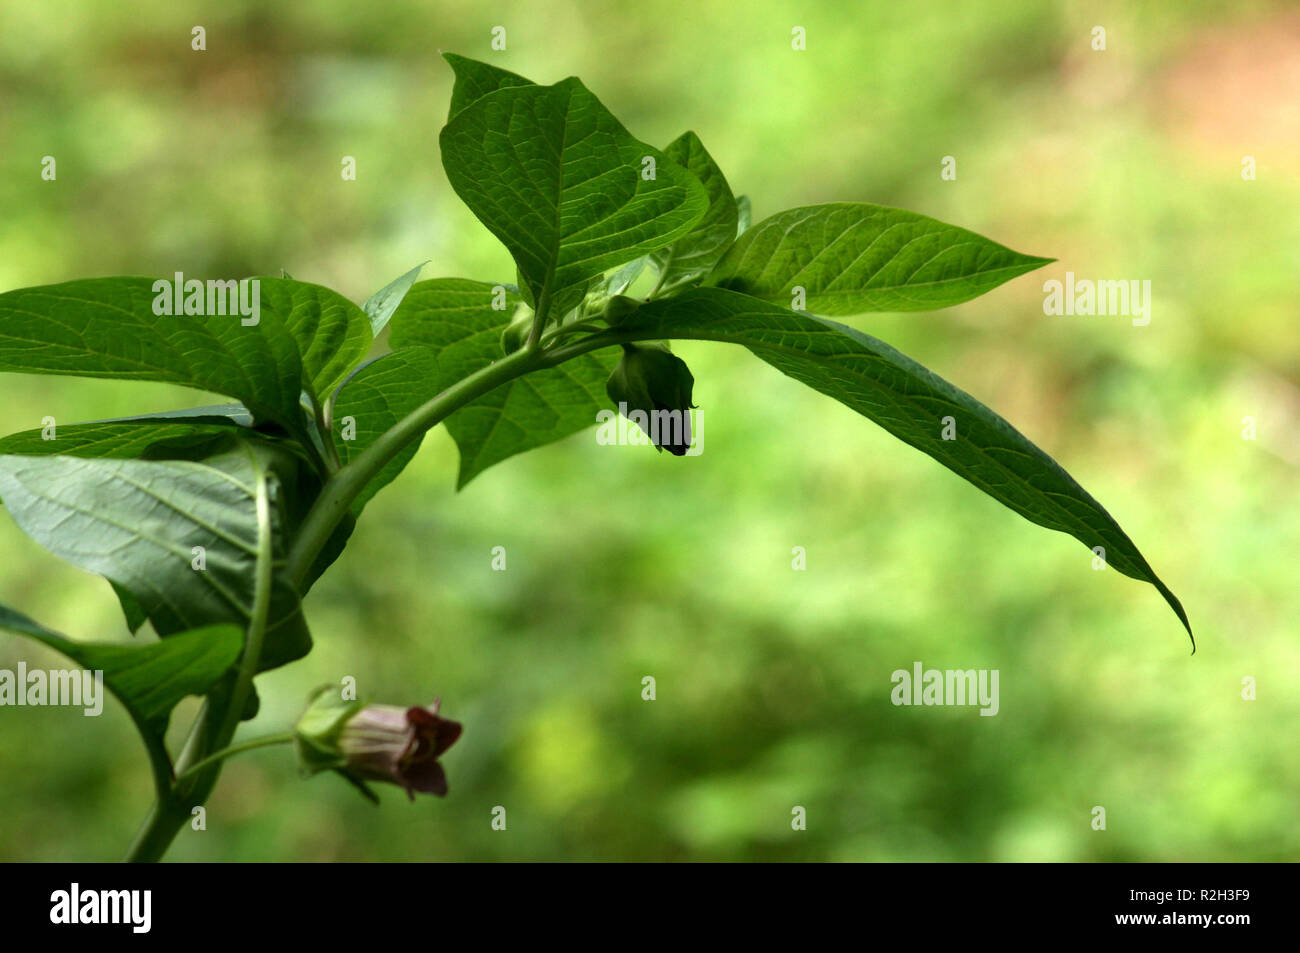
(376,742)
(652,387)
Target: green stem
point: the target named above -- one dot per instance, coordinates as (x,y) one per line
(595,342)
(539,317)
(324,423)
(160,828)
(283,738)
(176,803)
(663,273)
(196,778)
(347,483)
(257,623)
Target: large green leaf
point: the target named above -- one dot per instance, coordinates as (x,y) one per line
(129,438)
(850,258)
(149,680)
(137,523)
(163,436)
(332,333)
(452,320)
(559,180)
(696,252)
(475,79)
(106,327)
(911,403)
(445,313)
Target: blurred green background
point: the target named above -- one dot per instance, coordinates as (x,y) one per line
(773,685)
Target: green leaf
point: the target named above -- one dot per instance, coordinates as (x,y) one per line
(612,283)
(443,312)
(163,435)
(453,321)
(176,435)
(131,608)
(155,434)
(376,398)
(558,179)
(850,258)
(432,318)
(696,252)
(532,411)
(122,439)
(332,333)
(379,307)
(149,680)
(233,414)
(621,279)
(744,212)
(475,79)
(911,403)
(106,327)
(137,523)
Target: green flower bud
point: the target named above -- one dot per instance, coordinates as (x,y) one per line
(516,332)
(652,388)
(619,307)
(375,742)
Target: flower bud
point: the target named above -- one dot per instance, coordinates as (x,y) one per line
(656,382)
(619,307)
(515,334)
(376,742)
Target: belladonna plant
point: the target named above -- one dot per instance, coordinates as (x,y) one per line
(212,523)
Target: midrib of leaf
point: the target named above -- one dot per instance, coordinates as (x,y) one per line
(544,299)
(875,282)
(220,534)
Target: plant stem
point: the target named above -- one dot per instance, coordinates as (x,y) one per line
(539,317)
(663,273)
(175,804)
(197,771)
(257,623)
(346,484)
(283,738)
(196,778)
(160,828)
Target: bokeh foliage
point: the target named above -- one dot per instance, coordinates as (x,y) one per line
(773,685)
